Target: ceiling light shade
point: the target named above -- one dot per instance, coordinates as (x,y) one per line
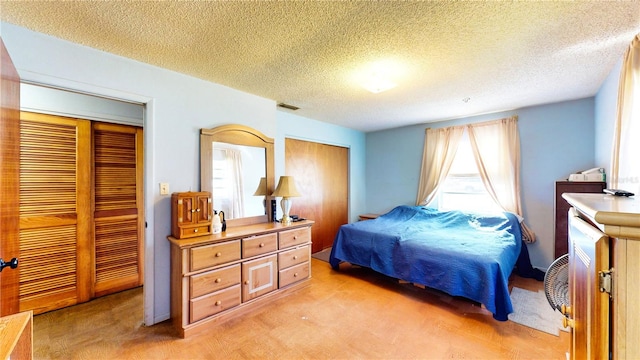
(379,75)
(377,84)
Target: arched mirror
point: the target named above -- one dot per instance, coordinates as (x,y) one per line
(237,167)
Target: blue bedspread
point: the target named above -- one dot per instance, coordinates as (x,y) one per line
(462,254)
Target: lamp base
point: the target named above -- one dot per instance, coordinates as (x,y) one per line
(285,203)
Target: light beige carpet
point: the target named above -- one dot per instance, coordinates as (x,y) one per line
(533,310)
(322,255)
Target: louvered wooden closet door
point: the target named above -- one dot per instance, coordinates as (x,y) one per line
(119,221)
(55,194)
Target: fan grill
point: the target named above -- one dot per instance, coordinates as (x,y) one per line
(556,283)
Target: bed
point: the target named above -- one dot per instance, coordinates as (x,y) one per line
(462,254)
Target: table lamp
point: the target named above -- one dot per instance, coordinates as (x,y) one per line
(262,191)
(286,189)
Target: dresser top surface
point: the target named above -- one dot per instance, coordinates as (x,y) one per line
(239,232)
(607,209)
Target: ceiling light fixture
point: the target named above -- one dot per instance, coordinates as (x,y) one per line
(380,75)
(377,84)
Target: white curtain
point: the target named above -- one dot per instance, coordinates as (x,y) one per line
(440,148)
(236,183)
(496,148)
(625,167)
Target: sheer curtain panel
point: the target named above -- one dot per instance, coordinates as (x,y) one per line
(236,182)
(625,167)
(440,148)
(496,148)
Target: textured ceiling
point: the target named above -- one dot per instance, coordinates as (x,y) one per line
(495,55)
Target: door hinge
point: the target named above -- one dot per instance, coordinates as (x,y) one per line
(605,281)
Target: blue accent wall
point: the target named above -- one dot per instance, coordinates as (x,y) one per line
(555,140)
(606,111)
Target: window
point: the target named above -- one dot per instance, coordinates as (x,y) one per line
(463,188)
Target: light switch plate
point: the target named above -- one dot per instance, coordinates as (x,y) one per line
(164,188)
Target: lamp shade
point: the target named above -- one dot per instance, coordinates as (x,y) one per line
(262,188)
(286,187)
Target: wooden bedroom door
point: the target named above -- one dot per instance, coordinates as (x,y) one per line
(9,181)
(321,173)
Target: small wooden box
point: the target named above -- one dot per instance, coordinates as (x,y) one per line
(191,214)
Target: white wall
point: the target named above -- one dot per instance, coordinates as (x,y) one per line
(178,106)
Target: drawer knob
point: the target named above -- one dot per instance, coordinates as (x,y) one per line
(295,237)
(218,303)
(261,244)
(218,280)
(195,230)
(295,257)
(218,254)
(295,274)
(246,282)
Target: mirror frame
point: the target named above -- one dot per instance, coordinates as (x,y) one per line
(238,135)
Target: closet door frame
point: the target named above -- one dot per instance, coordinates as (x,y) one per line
(150,317)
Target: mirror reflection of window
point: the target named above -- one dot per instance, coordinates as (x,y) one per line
(236,173)
(228,182)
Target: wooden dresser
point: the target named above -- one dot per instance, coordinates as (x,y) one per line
(221,276)
(562,207)
(604,276)
(16,336)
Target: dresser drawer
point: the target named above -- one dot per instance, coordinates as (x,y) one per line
(214,303)
(260,244)
(293,257)
(210,255)
(294,237)
(210,281)
(293,274)
(187,232)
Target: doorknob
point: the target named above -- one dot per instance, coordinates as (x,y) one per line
(13,263)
